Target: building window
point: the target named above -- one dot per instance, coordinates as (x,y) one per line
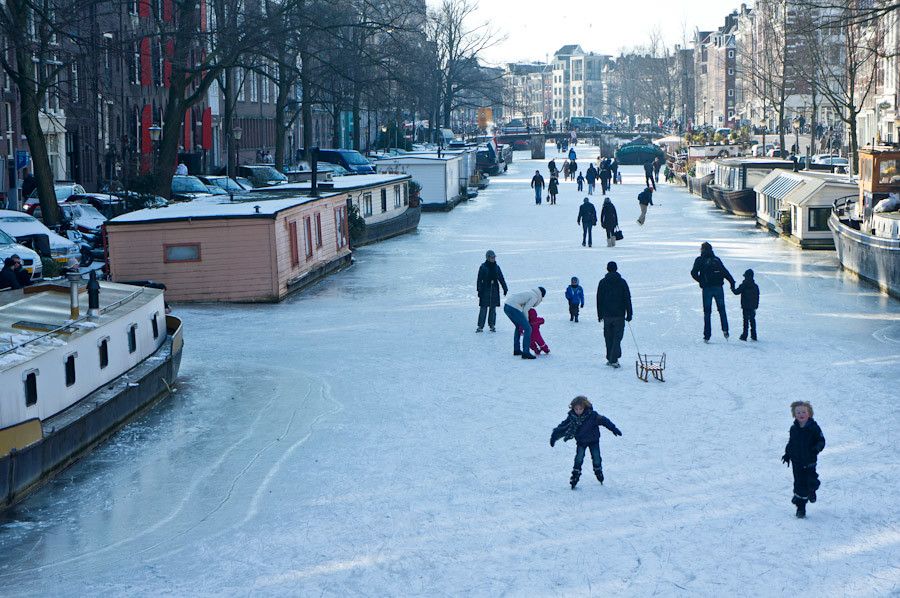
(818,219)
(294,243)
(730,71)
(154,322)
(318,230)
(265,84)
(367,204)
(157,58)
(74,83)
(132,338)
(397,200)
(189,252)
(307,224)
(70,370)
(241,86)
(103,349)
(340,225)
(384,200)
(254,86)
(730,93)
(730,53)
(31,388)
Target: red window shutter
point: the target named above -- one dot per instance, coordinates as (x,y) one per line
(202,15)
(144,8)
(167,11)
(207,128)
(188,140)
(146,67)
(146,143)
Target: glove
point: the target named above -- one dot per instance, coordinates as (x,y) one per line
(628,319)
(786,460)
(552,442)
(504,293)
(617,432)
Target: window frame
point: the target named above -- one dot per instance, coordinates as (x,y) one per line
(294,243)
(167,246)
(70,370)
(31,391)
(307,226)
(132,338)
(103,352)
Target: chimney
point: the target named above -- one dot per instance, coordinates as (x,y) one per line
(74,279)
(93,289)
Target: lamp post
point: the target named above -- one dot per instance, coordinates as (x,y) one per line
(795,123)
(384,137)
(155,134)
(236,132)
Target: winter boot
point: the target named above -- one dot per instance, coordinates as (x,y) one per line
(812,496)
(599,474)
(801,508)
(743,337)
(479,329)
(493,329)
(516,352)
(576,475)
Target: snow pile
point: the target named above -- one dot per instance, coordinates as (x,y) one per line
(25,352)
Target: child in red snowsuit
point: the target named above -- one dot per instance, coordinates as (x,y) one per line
(537,341)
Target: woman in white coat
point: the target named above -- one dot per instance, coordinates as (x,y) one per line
(516,309)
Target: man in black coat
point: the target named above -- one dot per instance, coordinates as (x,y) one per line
(537,183)
(490,279)
(648,175)
(605,177)
(645,199)
(587,218)
(8,275)
(613,309)
(591,177)
(711,274)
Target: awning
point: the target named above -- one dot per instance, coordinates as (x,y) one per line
(779,187)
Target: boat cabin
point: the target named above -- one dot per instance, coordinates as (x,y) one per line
(879,178)
(439,177)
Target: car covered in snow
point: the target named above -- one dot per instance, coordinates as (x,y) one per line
(63,190)
(23,227)
(83,217)
(187,188)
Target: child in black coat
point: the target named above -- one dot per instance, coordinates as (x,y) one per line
(749,292)
(580,181)
(805,443)
(583,424)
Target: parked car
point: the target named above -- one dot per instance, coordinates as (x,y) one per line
(830,160)
(227,184)
(351,160)
(31,261)
(111,205)
(777,152)
(23,226)
(63,190)
(261,175)
(82,217)
(760,152)
(187,188)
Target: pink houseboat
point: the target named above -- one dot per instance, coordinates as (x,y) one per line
(249,251)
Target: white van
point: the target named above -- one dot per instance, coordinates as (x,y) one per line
(30,260)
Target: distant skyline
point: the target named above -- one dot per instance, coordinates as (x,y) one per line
(533,33)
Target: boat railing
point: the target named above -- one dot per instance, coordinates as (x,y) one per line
(842,205)
(122,301)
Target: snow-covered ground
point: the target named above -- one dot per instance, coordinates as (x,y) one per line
(361,439)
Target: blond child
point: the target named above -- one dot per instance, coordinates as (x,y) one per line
(583,424)
(804,444)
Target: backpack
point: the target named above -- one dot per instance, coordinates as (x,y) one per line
(712,271)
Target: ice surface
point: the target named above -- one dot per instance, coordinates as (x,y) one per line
(361,439)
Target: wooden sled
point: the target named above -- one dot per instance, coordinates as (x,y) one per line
(650,364)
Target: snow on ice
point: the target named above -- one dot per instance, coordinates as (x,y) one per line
(361,439)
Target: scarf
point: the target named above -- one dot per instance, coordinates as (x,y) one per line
(575,422)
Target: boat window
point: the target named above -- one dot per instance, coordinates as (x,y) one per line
(155,323)
(31,388)
(132,338)
(889,172)
(70,370)
(818,219)
(104,353)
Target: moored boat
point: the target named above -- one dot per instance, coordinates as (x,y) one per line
(69,381)
(868,241)
(732,188)
(704,171)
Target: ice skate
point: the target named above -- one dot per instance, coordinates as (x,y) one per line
(599,474)
(479,329)
(576,475)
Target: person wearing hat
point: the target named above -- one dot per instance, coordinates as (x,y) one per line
(613,309)
(516,308)
(490,279)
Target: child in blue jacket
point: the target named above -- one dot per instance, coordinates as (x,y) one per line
(583,424)
(575,296)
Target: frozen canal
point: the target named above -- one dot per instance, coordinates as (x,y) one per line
(361,439)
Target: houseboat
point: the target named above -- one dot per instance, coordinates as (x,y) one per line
(704,171)
(258,248)
(639,151)
(868,241)
(732,187)
(439,177)
(79,362)
(797,205)
(382,200)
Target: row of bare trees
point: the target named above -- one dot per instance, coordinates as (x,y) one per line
(390,57)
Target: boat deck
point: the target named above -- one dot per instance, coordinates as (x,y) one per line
(36,321)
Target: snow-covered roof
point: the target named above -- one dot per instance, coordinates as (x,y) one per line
(217,206)
(419,159)
(347,183)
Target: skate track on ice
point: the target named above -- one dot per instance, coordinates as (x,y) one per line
(361,439)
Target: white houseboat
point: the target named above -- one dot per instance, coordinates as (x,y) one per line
(439,177)
(868,241)
(76,365)
(797,205)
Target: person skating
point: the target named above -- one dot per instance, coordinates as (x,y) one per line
(575,298)
(657,164)
(587,218)
(591,177)
(645,199)
(648,175)
(609,221)
(572,155)
(488,283)
(580,181)
(805,442)
(749,292)
(553,189)
(583,424)
(537,183)
(536,341)
(551,166)
(614,167)
(613,310)
(516,308)
(711,274)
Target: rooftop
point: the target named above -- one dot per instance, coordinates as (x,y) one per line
(343,183)
(266,203)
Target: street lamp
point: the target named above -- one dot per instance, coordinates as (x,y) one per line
(795,123)
(155,134)
(236,132)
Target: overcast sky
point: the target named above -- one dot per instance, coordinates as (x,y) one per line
(535,29)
